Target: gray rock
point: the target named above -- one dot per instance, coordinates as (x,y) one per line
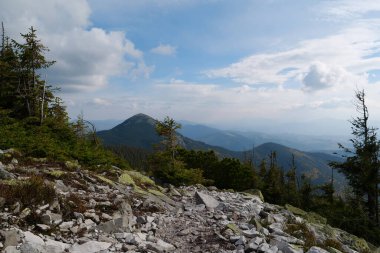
(316,249)
(207,200)
(285,247)
(2,202)
(90,247)
(121,224)
(4,174)
(12,237)
(92,216)
(141,220)
(11,249)
(174,192)
(263,248)
(250,233)
(184,232)
(51,218)
(105,216)
(78,216)
(65,226)
(35,244)
(25,213)
(43,227)
(125,208)
(16,207)
(61,187)
(251,247)
(160,246)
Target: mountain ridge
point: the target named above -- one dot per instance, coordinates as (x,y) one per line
(139,131)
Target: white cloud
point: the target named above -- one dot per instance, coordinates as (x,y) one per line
(350,8)
(86,56)
(352,50)
(164,50)
(321,76)
(101,101)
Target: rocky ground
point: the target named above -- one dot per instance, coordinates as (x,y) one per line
(54,208)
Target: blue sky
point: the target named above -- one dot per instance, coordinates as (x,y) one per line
(275,65)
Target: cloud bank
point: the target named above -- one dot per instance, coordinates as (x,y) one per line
(86,56)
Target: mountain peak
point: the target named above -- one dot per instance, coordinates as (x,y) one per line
(139,118)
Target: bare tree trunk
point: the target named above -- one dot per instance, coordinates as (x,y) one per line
(43,102)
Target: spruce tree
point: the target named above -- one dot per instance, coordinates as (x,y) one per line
(362,164)
(32,89)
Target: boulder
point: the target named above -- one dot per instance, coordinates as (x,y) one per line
(35,244)
(51,218)
(11,249)
(4,174)
(11,237)
(285,247)
(207,200)
(316,249)
(90,247)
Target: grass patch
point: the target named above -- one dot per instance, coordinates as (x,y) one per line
(34,191)
(56,173)
(301,231)
(105,180)
(333,244)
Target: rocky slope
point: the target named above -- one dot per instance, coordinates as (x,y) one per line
(54,208)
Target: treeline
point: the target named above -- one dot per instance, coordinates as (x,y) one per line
(32,118)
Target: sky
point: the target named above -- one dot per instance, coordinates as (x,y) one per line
(261,65)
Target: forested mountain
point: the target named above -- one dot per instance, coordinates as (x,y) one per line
(139,132)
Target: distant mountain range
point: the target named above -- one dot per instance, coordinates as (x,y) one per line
(139,131)
(245,140)
(240,141)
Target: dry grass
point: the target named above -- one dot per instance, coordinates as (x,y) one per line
(31,192)
(301,231)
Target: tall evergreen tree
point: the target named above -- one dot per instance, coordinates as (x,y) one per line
(31,87)
(362,165)
(291,184)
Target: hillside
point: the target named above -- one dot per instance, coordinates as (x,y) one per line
(54,208)
(314,165)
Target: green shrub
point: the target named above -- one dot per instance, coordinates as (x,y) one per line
(34,191)
(301,231)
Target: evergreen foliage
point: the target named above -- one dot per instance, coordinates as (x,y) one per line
(164,163)
(362,165)
(32,118)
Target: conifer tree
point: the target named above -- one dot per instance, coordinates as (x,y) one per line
(362,164)
(167,129)
(291,184)
(31,59)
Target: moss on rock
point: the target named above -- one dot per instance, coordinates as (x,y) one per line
(126,179)
(309,216)
(234,228)
(255,192)
(105,180)
(56,173)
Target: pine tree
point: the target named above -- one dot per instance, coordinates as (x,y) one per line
(167,129)
(291,184)
(274,181)
(31,88)
(362,165)
(8,73)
